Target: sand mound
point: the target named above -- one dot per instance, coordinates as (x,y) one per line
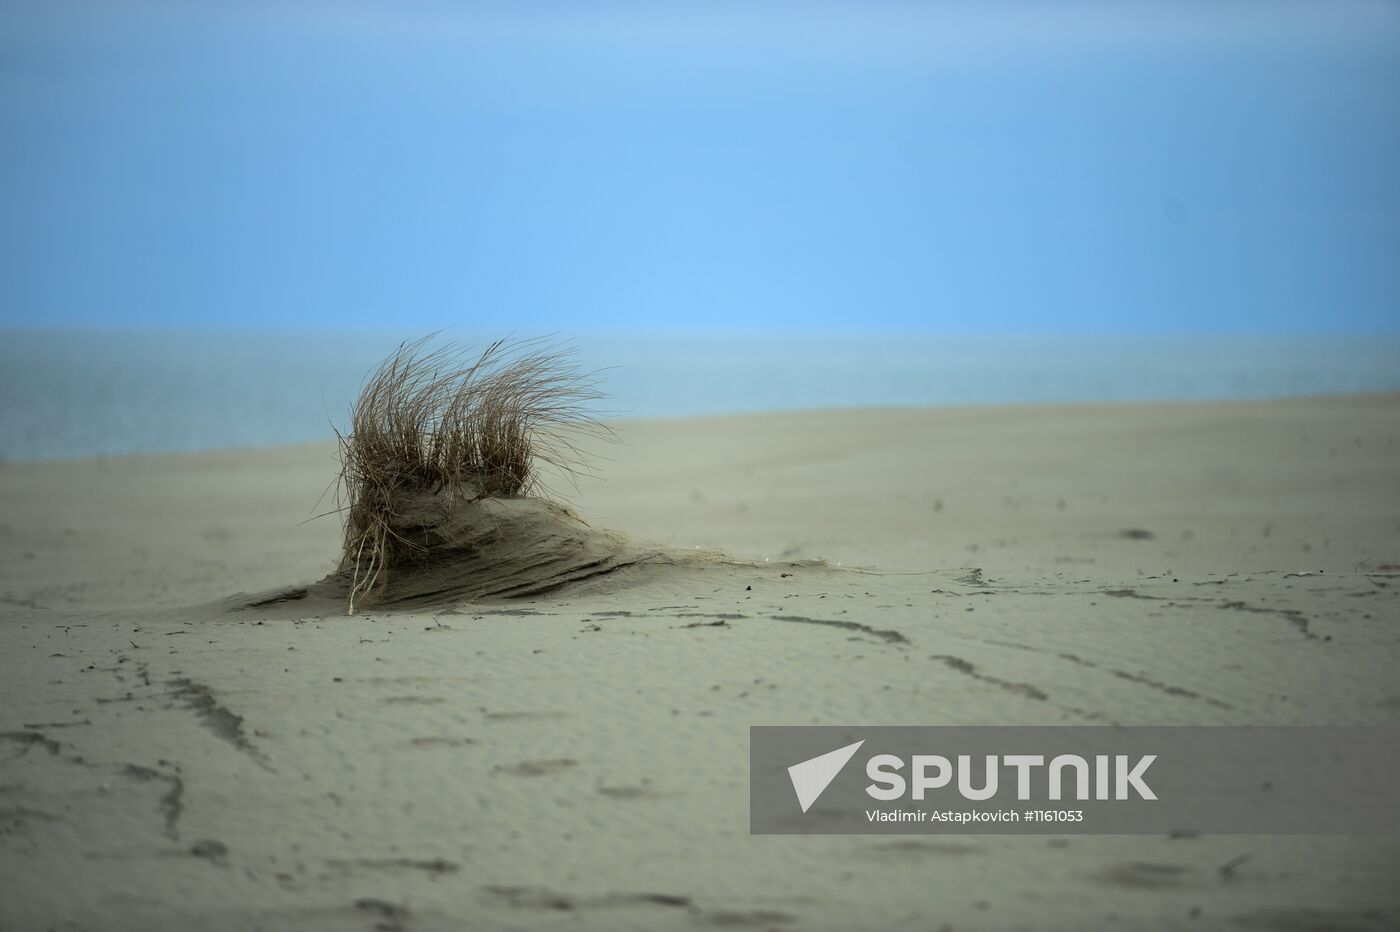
(481,550)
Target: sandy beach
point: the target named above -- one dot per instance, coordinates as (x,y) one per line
(174,754)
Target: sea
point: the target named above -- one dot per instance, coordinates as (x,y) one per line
(83,394)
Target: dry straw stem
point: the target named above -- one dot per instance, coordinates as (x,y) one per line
(451,424)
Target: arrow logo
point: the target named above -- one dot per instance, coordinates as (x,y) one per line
(811,777)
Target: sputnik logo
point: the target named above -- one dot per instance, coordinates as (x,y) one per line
(811,777)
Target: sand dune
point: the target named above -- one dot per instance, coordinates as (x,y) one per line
(196,736)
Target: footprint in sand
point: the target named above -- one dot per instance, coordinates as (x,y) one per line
(538,768)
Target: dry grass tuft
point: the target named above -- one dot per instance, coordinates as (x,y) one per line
(445,423)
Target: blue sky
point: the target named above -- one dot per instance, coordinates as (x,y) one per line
(979,167)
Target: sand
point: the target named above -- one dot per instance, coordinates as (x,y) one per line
(577,759)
